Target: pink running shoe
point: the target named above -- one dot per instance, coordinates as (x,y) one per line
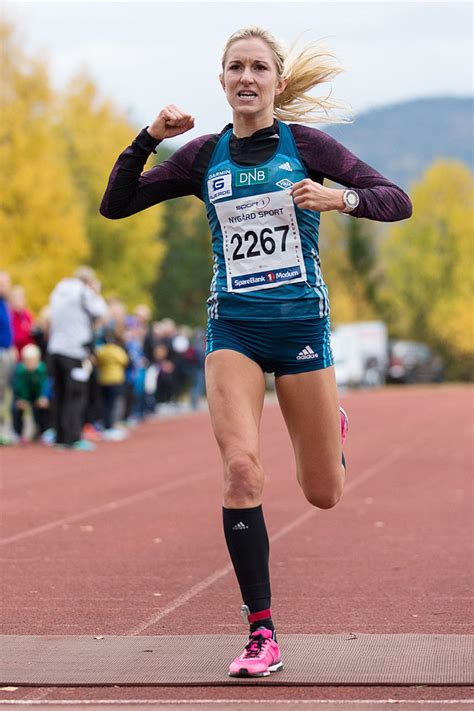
(344,424)
(260,657)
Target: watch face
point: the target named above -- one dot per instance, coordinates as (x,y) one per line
(351,198)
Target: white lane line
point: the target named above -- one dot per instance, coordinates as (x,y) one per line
(111,506)
(37,694)
(211,579)
(180,600)
(245,702)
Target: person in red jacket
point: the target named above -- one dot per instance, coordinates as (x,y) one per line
(22,319)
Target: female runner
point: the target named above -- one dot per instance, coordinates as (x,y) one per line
(262,183)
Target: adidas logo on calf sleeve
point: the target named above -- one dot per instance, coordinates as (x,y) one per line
(239,526)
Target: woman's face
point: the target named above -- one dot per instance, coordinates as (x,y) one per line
(250,79)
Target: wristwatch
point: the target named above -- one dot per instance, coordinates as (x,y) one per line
(351,200)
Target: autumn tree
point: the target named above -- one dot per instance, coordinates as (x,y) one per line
(348,251)
(127,252)
(182,286)
(42,230)
(429,287)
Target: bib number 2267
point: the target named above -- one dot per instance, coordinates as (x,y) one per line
(253,243)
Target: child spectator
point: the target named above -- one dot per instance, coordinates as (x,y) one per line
(30,389)
(134,374)
(22,319)
(112,360)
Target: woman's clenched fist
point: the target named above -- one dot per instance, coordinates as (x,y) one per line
(171,121)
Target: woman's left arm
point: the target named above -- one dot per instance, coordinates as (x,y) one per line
(324,157)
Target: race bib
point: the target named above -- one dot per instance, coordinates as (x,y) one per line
(261,241)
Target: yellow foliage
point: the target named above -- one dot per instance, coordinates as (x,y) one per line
(56,154)
(41,220)
(428,261)
(346,291)
(126,253)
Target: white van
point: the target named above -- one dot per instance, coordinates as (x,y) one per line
(360,353)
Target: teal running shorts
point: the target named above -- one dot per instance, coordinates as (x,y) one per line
(280,347)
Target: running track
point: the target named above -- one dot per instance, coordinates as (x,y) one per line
(128,540)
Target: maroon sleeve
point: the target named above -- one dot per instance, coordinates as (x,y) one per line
(380,199)
(129,190)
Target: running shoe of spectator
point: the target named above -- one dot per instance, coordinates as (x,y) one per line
(82,445)
(91,433)
(48,437)
(260,657)
(114,435)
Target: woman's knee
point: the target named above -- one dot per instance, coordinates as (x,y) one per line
(325,500)
(323,492)
(243,477)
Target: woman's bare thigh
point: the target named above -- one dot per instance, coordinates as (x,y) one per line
(235,389)
(310,405)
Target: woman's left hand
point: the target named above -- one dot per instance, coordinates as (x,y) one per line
(309,195)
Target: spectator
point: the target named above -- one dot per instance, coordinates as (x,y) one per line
(154,336)
(198,386)
(40,331)
(165,369)
(134,374)
(7,357)
(112,360)
(116,316)
(143,315)
(158,383)
(93,410)
(30,389)
(22,320)
(181,357)
(75,303)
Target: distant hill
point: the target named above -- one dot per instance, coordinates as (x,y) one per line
(401,140)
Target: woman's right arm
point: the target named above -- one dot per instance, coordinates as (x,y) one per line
(129,190)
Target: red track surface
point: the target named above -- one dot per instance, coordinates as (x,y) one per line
(128,540)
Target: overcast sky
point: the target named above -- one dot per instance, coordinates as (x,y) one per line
(144,55)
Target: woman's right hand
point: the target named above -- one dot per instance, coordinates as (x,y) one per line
(171,121)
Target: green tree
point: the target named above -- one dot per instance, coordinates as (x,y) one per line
(362,256)
(429,288)
(182,286)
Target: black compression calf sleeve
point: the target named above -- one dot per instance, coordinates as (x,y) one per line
(247,541)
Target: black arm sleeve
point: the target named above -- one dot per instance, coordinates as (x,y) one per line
(324,157)
(129,190)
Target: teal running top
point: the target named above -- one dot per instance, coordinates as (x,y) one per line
(266,259)
(266,262)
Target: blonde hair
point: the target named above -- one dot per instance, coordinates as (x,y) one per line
(303,69)
(30,352)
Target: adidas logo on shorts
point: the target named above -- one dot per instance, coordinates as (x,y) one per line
(306,354)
